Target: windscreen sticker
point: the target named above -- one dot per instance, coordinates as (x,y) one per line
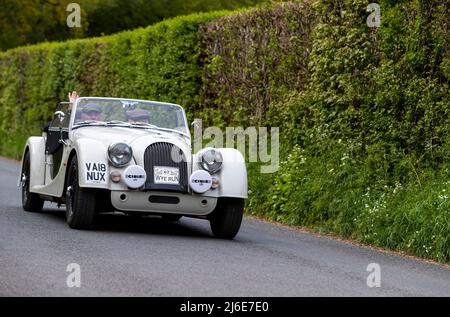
(96,173)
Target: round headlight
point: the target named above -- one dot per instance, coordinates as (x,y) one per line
(211,160)
(120,154)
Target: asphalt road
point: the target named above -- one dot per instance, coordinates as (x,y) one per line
(125,256)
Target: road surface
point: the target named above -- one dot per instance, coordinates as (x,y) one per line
(125,256)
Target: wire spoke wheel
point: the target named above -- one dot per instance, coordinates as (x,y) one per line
(80,202)
(30,201)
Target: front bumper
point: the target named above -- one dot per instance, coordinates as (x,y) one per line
(163,202)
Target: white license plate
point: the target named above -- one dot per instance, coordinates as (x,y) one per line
(166,175)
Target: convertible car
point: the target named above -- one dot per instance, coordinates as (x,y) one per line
(132,156)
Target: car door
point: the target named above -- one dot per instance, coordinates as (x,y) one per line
(57,132)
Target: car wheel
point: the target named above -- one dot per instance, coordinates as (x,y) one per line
(80,202)
(30,201)
(226,218)
(171,218)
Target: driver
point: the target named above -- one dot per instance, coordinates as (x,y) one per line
(137,116)
(91,111)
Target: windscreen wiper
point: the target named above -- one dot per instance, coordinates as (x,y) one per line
(88,122)
(118,122)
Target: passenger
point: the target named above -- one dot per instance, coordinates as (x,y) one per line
(88,112)
(138,116)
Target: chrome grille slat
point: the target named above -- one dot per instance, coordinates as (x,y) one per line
(159,154)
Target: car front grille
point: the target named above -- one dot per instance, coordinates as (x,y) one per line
(160,154)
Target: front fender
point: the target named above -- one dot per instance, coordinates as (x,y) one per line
(36,147)
(93,167)
(232,176)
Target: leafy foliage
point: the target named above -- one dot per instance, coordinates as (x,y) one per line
(253,58)
(32,21)
(366,143)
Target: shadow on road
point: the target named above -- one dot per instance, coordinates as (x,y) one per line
(120,223)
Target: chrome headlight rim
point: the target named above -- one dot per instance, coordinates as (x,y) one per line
(211,167)
(113,160)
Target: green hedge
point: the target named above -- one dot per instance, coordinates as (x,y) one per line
(254,58)
(24,22)
(161,62)
(366,145)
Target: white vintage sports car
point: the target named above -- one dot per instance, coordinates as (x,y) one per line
(133,156)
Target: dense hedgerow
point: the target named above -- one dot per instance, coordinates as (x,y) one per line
(161,62)
(24,22)
(254,58)
(366,144)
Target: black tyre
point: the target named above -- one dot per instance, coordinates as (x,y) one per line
(226,219)
(171,218)
(30,201)
(80,202)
